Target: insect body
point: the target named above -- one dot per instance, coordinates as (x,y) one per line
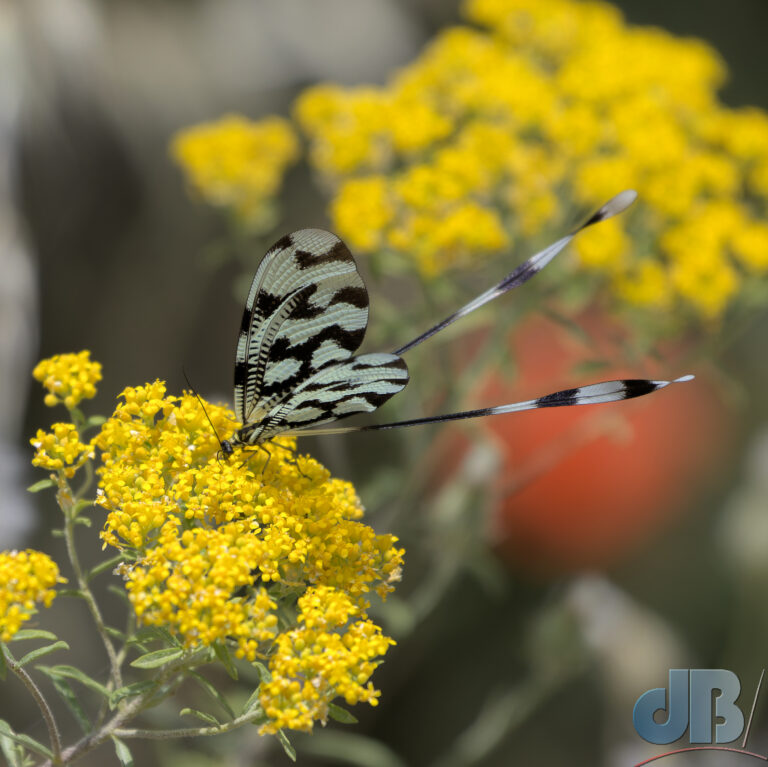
(306,315)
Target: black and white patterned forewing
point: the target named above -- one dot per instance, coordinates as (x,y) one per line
(307,308)
(359,385)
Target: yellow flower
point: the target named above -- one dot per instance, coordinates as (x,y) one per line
(332,652)
(237,163)
(648,286)
(69,378)
(26,577)
(188,582)
(363,210)
(61,449)
(216,550)
(605,249)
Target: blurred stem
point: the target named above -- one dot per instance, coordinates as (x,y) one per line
(499,716)
(37,695)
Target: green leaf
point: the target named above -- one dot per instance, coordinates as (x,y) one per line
(123,754)
(3,664)
(70,672)
(116,633)
(83,503)
(41,485)
(223,654)
(264,674)
(252,703)
(130,691)
(207,718)
(24,740)
(107,564)
(84,521)
(340,714)
(157,658)
(75,593)
(9,751)
(95,420)
(212,691)
(42,651)
(155,633)
(286,744)
(23,634)
(67,694)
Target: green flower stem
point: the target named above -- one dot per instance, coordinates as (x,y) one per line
(87,482)
(192,732)
(67,503)
(34,691)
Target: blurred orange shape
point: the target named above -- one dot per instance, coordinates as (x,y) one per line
(582,487)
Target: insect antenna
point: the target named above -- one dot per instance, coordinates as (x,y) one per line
(202,405)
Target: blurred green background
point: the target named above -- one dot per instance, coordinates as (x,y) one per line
(498,661)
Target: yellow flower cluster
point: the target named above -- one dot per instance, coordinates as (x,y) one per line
(187,581)
(60,449)
(26,577)
(217,544)
(237,163)
(332,652)
(547,108)
(69,378)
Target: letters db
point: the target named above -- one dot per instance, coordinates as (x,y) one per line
(694,696)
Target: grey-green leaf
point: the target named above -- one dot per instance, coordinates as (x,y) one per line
(123,754)
(264,674)
(223,654)
(130,691)
(107,564)
(11,754)
(24,740)
(340,714)
(157,658)
(70,672)
(286,744)
(155,633)
(252,703)
(69,697)
(209,688)
(207,718)
(41,485)
(42,651)
(23,634)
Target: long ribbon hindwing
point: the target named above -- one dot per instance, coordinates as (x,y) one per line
(306,314)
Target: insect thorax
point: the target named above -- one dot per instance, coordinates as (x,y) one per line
(248,435)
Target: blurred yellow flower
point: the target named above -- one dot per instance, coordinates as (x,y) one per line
(550,107)
(69,378)
(237,163)
(26,577)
